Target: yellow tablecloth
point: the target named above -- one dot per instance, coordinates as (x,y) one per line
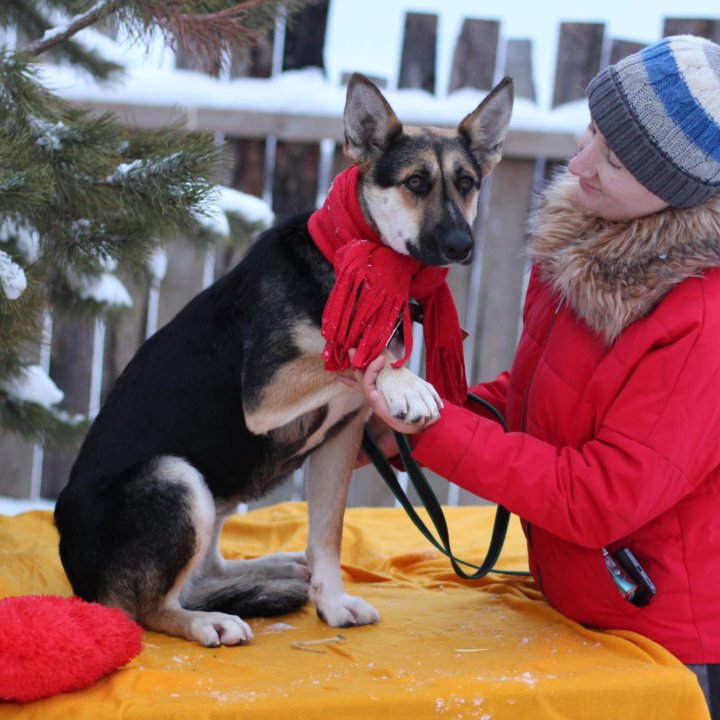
(445,648)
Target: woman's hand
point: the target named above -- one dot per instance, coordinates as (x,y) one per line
(382,424)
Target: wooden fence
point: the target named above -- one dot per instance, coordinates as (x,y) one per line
(290,158)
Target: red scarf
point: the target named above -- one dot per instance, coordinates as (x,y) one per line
(373,286)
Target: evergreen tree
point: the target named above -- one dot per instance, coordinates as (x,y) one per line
(80,194)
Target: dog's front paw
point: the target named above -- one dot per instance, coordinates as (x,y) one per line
(346,611)
(409,397)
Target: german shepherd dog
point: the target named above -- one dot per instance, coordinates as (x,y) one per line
(231,396)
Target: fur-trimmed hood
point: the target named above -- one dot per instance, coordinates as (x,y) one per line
(612,273)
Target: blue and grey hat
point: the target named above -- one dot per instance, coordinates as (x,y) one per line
(659,110)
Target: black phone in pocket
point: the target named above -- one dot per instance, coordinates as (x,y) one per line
(645,586)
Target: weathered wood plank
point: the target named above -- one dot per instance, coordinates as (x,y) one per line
(704,27)
(417,66)
(70,367)
(295,178)
(254,60)
(620,49)
(548,144)
(305,37)
(182,281)
(578,60)
(124,336)
(504,232)
(518,65)
(246,155)
(475,55)
(295,175)
(16,456)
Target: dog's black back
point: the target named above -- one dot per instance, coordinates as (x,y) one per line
(182,394)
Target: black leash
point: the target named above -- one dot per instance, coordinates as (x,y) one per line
(432,504)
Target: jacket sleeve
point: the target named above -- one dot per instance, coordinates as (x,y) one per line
(658,440)
(494,392)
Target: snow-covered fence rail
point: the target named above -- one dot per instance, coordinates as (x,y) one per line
(319,114)
(282,124)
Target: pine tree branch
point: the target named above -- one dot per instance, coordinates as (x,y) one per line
(204,28)
(58,35)
(211,31)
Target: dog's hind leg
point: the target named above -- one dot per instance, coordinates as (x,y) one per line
(162,531)
(260,587)
(274,565)
(329,472)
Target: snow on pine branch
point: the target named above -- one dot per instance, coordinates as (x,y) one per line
(234,203)
(171,168)
(12,277)
(50,135)
(214,220)
(26,239)
(105,289)
(247,207)
(33,385)
(124,170)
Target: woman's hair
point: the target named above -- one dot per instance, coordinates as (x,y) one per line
(659,111)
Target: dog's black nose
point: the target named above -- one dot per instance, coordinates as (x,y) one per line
(456,246)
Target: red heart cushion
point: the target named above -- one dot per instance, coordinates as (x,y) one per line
(52,644)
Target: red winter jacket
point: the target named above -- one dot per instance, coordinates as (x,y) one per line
(610,444)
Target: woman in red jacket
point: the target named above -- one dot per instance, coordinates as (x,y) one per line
(613,399)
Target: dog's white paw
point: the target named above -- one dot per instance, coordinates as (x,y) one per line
(213,629)
(408,396)
(346,611)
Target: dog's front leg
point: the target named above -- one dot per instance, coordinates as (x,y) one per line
(329,473)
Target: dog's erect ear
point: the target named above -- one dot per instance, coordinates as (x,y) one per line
(485,128)
(370,123)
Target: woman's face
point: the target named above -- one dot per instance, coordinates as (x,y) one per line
(606,188)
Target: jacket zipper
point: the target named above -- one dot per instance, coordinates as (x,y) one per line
(528,526)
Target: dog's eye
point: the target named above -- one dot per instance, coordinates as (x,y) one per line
(465,184)
(417,184)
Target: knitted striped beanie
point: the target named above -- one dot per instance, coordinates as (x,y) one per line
(659,111)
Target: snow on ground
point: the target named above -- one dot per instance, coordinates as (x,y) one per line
(13,506)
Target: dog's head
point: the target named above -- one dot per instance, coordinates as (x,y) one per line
(420,185)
